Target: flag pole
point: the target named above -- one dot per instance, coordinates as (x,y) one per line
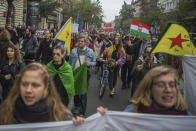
(62,28)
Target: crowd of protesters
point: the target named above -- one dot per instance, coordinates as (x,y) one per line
(130,56)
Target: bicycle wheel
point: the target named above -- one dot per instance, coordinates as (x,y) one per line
(102,89)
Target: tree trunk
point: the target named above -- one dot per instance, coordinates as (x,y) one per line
(10,7)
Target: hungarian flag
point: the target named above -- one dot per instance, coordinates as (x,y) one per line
(80,80)
(175,41)
(139,28)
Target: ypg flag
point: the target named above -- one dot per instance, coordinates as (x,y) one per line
(175,41)
(139,28)
(65,34)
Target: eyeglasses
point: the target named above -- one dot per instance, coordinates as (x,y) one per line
(164,85)
(58,54)
(80,40)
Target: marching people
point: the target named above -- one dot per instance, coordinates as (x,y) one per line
(126,69)
(142,66)
(113,73)
(34,98)
(98,42)
(157,93)
(61,73)
(29,46)
(13,34)
(10,66)
(45,48)
(80,55)
(5,40)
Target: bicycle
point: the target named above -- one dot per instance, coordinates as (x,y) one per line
(104,77)
(106,66)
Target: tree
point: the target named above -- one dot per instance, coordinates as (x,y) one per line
(47,7)
(126,12)
(152,17)
(185,14)
(89,12)
(126,15)
(149,15)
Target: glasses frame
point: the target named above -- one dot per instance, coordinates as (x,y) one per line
(165,84)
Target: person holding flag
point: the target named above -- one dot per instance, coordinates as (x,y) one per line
(79,57)
(176,41)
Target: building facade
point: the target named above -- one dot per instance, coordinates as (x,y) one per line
(53,19)
(16,12)
(26,12)
(168,5)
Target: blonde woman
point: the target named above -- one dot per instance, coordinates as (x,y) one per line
(34,98)
(157,93)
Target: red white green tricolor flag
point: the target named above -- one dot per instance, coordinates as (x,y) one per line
(175,41)
(139,28)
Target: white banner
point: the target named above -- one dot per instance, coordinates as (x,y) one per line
(114,121)
(189,71)
(74,28)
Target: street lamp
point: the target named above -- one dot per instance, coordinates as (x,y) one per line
(2,2)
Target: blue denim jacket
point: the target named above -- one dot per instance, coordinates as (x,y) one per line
(88,57)
(130,108)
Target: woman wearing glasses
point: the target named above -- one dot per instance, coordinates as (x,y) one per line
(157,93)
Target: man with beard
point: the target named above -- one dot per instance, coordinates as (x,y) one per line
(29,46)
(45,48)
(82,55)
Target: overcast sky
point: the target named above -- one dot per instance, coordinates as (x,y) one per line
(112,8)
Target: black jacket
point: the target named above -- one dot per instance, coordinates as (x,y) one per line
(6,69)
(14,37)
(29,47)
(12,69)
(134,49)
(45,51)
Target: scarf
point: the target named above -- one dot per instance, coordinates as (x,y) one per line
(35,113)
(66,75)
(81,52)
(153,110)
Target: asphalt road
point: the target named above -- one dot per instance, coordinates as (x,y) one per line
(116,103)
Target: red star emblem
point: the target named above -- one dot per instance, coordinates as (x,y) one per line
(177,41)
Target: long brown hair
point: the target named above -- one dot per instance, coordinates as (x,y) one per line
(55,107)
(16,50)
(4,34)
(143,93)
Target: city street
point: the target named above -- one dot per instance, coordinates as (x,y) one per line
(117,103)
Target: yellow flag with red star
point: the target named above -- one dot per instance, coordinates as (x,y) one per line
(65,35)
(175,41)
